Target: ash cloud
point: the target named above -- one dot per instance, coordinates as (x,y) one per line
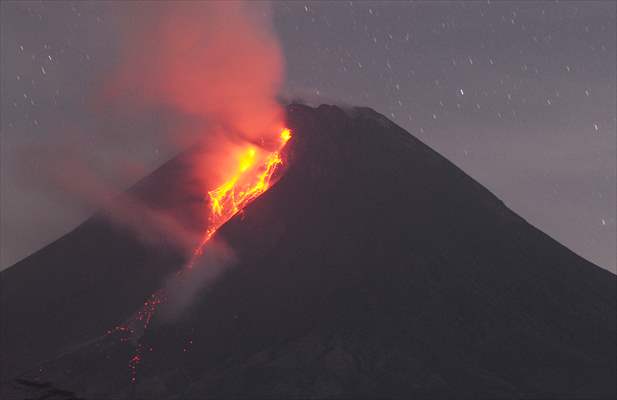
(217,65)
(215,61)
(207,73)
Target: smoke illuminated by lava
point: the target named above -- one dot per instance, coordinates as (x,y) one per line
(253,175)
(218,67)
(218,62)
(251,178)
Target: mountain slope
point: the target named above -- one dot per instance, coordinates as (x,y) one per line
(95,276)
(374,268)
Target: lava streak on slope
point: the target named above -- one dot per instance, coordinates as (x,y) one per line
(252,176)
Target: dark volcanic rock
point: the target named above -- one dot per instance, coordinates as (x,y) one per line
(84,283)
(373,268)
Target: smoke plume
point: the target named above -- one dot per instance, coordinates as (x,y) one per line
(216,66)
(218,62)
(192,75)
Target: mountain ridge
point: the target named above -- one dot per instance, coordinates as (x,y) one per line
(375,267)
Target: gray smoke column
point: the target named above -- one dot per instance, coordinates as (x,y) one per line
(182,288)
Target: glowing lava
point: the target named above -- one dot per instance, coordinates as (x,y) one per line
(252,177)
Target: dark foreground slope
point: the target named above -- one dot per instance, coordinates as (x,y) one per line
(95,276)
(374,268)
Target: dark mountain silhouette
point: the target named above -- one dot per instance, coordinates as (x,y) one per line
(374,268)
(88,280)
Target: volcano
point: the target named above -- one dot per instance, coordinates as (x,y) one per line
(373,268)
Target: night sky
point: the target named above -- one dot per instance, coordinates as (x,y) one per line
(520,95)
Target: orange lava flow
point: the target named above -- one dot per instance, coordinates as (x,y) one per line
(252,177)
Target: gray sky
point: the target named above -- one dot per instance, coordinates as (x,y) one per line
(520,95)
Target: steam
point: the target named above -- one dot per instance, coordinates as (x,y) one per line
(182,289)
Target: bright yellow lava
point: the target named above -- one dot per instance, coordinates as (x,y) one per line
(252,178)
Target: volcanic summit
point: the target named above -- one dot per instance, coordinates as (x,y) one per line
(373,268)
